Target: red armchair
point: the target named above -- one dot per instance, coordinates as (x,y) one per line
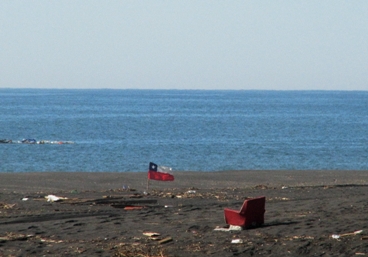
(251,213)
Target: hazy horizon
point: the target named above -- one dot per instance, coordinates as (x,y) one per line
(184,89)
(184,45)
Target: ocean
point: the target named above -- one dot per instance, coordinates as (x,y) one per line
(188,130)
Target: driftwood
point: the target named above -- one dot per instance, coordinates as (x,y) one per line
(141,202)
(117,202)
(165,240)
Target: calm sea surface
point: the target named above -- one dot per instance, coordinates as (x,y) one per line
(123,130)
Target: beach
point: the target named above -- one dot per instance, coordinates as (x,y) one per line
(308,213)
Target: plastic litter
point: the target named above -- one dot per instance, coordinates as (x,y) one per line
(151,234)
(165,240)
(132,208)
(54,198)
(230,228)
(335,236)
(237,241)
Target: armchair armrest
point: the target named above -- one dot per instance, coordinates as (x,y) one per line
(233,217)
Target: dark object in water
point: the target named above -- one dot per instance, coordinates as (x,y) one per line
(5,141)
(29,141)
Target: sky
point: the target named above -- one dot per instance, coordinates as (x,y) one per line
(189,44)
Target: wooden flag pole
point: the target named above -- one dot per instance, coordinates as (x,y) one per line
(147,184)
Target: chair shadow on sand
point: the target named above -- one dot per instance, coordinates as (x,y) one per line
(278,223)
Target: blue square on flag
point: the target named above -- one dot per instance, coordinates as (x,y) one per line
(153,166)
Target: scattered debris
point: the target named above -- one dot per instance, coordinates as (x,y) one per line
(165,240)
(132,208)
(14,237)
(7,206)
(278,198)
(300,237)
(133,203)
(54,198)
(230,228)
(47,240)
(151,234)
(114,201)
(335,236)
(141,250)
(237,241)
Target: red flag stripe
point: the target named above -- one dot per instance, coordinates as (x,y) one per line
(156,175)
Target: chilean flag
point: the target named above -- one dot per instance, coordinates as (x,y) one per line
(159,172)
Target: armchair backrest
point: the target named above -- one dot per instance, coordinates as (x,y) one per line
(256,206)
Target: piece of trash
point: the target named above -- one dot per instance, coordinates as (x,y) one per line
(6,206)
(165,240)
(47,240)
(15,237)
(151,234)
(284,187)
(25,199)
(54,198)
(126,187)
(131,208)
(237,241)
(230,228)
(191,191)
(235,228)
(221,229)
(335,236)
(168,206)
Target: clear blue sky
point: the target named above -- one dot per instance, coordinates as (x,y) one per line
(198,44)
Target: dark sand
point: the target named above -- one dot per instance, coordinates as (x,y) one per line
(303,210)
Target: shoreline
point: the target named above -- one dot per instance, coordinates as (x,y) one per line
(60,181)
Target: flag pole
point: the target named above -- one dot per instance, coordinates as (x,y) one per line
(147,184)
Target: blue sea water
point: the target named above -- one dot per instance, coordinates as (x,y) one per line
(188,130)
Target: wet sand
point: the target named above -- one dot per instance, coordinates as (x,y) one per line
(303,210)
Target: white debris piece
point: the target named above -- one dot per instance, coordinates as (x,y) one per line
(54,198)
(231,228)
(237,241)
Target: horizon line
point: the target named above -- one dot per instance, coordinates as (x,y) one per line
(183,89)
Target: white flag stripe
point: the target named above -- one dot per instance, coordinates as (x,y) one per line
(164,169)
